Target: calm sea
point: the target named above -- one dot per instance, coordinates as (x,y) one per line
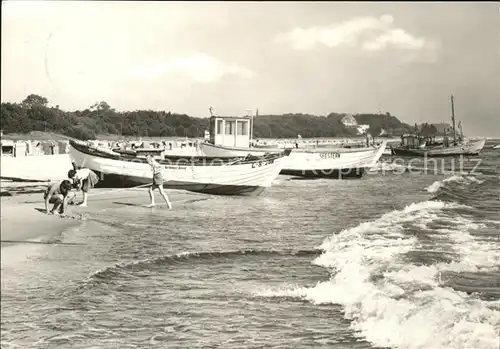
(394,260)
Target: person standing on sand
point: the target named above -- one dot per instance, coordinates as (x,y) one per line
(57,193)
(83,179)
(157,181)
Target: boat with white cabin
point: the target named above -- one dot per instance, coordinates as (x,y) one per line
(230,137)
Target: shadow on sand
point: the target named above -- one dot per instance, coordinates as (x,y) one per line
(301,179)
(128,204)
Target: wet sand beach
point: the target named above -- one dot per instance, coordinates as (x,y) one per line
(24,219)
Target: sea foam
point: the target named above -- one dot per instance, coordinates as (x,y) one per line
(466,180)
(394,303)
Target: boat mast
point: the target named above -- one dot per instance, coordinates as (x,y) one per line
(250,113)
(453,121)
(251,122)
(251,129)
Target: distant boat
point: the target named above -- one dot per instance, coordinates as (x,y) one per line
(241,176)
(418,145)
(473,148)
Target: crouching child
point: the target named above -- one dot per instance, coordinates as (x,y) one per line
(58,193)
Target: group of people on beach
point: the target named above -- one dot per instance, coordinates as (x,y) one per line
(60,194)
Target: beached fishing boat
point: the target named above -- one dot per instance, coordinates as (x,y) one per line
(331,163)
(421,146)
(229,138)
(240,176)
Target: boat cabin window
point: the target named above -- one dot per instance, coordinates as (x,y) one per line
(242,128)
(220,125)
(230,127)
(410,141)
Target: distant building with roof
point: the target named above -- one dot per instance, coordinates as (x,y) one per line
(350,121)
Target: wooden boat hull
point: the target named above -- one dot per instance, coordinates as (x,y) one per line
(469,150)
(320,163)
(201,175)
(124,181)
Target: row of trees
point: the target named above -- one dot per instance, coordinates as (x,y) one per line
(428,130)
(34,114)
(290,125)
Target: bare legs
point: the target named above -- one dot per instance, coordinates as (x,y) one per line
(84,202)
(58,201)
(56,208)
(162,193)
(165,197)
(151,197)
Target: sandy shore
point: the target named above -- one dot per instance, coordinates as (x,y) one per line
(23,216)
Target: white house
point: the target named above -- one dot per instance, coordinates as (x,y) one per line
(362,128)
(350,121)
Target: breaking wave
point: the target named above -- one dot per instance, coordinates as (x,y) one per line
(464,180)
(396,278)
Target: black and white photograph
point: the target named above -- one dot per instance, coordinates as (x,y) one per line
(250,174)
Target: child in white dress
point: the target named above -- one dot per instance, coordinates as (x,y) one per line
(83,179)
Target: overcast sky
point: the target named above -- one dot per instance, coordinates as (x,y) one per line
(402,58)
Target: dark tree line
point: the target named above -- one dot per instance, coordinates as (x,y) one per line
(428,130)
(291,125)
(34,114)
